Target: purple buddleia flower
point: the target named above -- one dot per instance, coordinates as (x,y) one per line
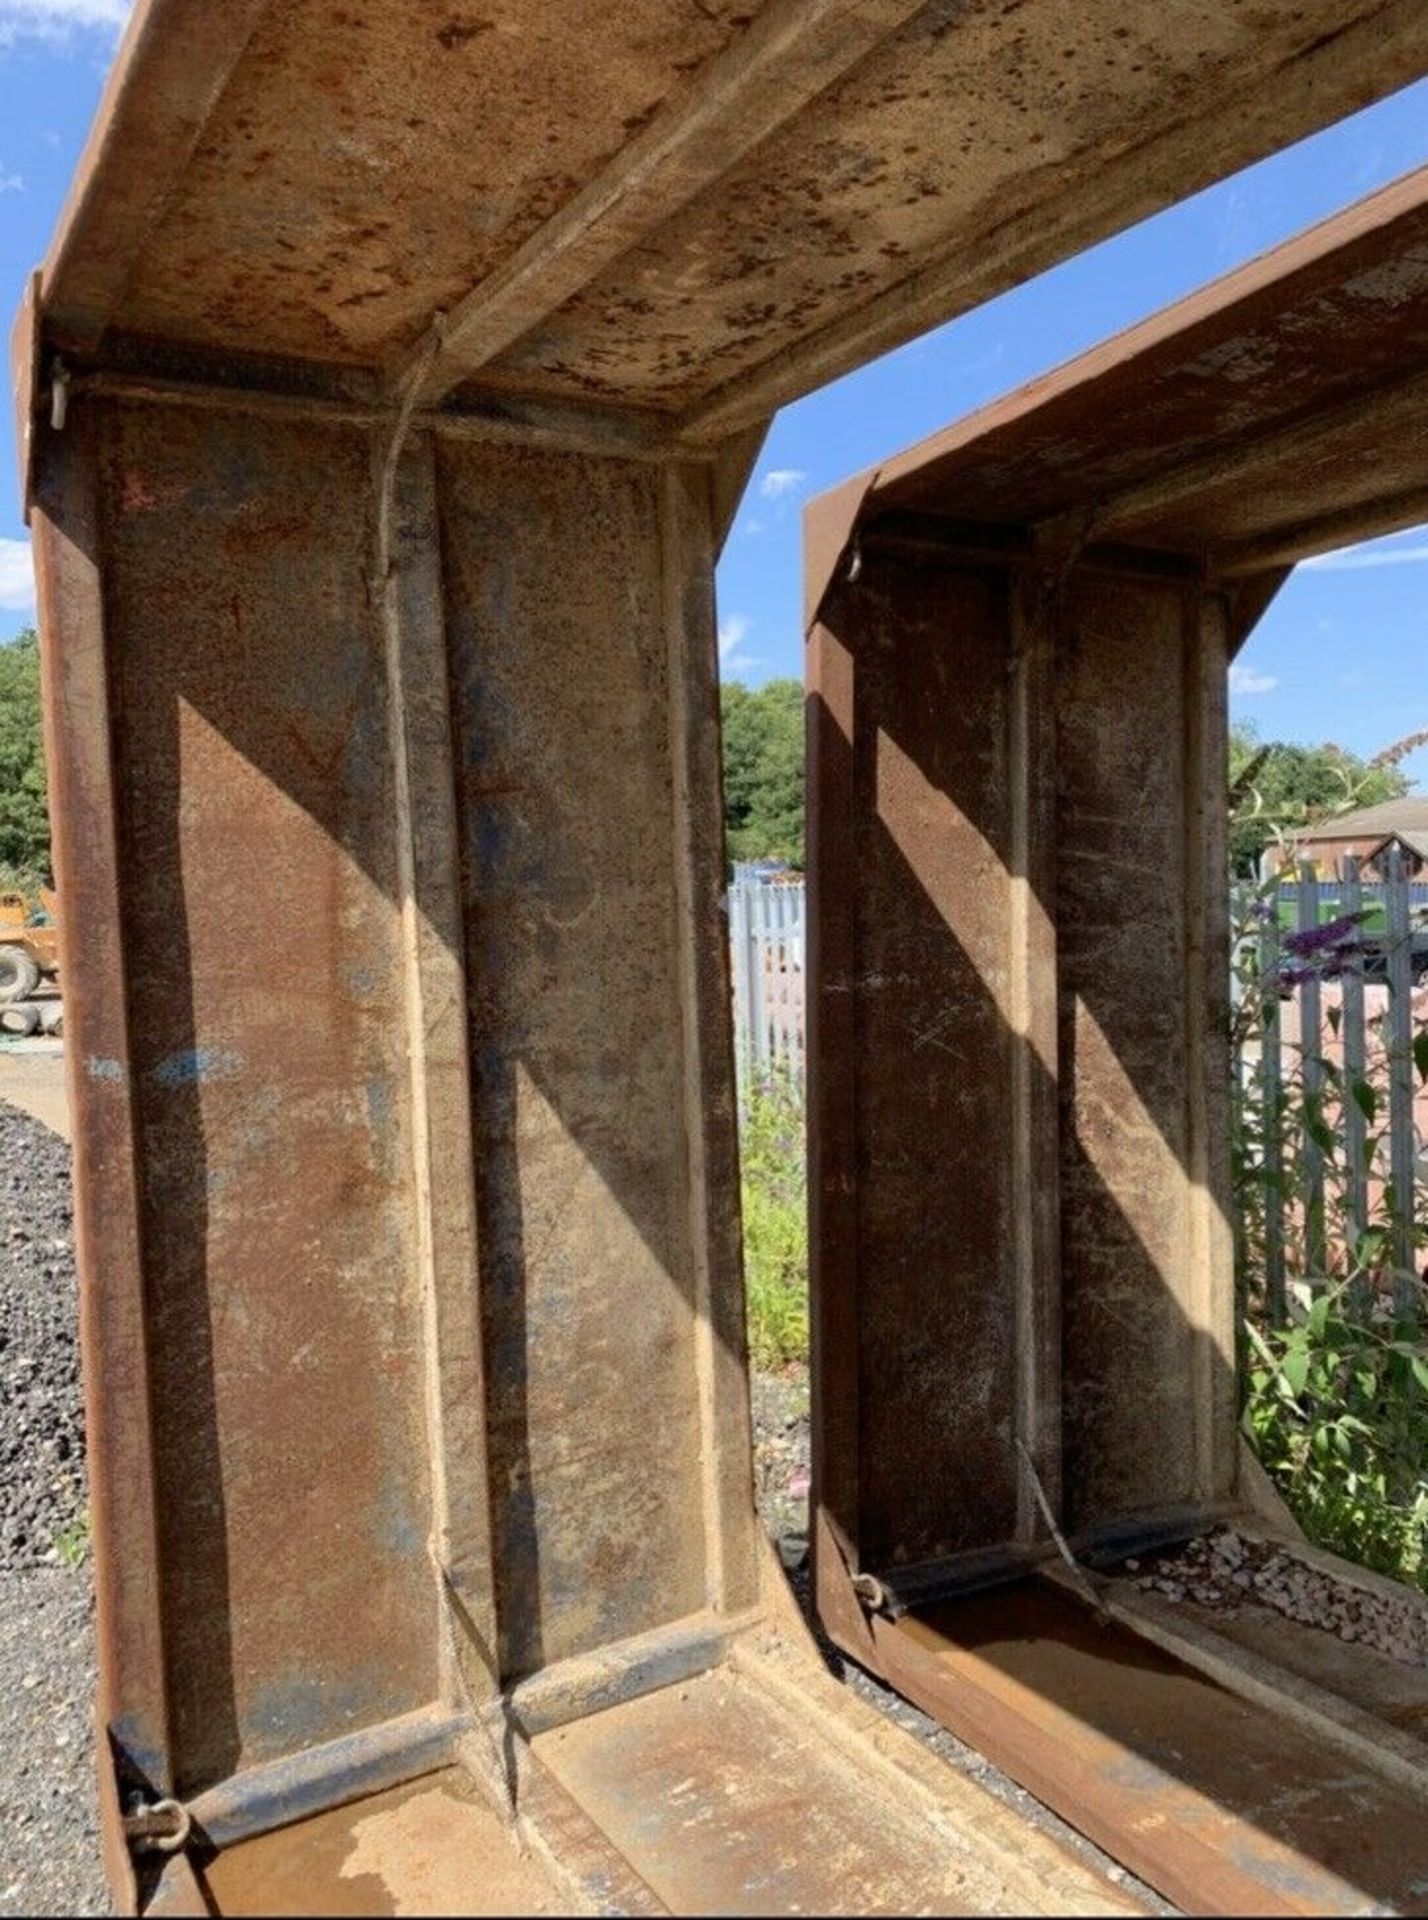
(1335,936)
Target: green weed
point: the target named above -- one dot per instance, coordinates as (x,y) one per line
(72,1541)
(775,1197)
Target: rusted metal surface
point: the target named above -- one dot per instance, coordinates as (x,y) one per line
(434,1263)
(314,182)
(726,1804)
(566,797)
(420,1405)
(1267,406)
(271,1123)
(911,962)
(1063,1180)
(413,1849)
(132,1705)
(1219,1804)
(914,166)
(413,1317)
(1018,642)
(1023,1258)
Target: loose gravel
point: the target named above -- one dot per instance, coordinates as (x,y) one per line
(49,1843)
(1224,1571)
(41,1411)
(49,1838)
(782,1457)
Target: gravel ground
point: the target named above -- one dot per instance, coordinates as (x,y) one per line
(42,1420)
(49,1844)
(781,1451)
(49,1840)
(1225,1572)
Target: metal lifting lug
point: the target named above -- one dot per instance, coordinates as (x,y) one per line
(157,1826)
(871,1591)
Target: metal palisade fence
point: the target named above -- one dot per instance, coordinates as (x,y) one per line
(1331,989)
(1331,1018)
(767,955)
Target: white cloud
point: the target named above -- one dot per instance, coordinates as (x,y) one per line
(1251,680)
(11,182)
(58,19)
(781,480)
(732,632)
(1348,557)
(17,576)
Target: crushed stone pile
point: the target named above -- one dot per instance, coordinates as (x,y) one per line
(1224,1571)
(42,1485)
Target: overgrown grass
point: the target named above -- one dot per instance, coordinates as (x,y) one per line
(775,1193)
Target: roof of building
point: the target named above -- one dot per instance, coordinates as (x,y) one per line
(1416,843)
(1405,819)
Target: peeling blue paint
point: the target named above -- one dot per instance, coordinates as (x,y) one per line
(99,1068)
(398,1530)
(195,1065)
(299,1708)
(362,982)
(378,1092)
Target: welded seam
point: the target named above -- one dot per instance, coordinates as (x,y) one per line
(692,1103)
(1199,1238)
(386,594)
(1026,1423)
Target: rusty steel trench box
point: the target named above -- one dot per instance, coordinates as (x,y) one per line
(383,402)
(417,975)
(1023,1287)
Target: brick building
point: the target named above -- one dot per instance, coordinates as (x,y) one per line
(1369,832)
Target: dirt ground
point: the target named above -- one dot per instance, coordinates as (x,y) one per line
(32,1079)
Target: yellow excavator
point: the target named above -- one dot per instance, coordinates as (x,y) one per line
(29,941)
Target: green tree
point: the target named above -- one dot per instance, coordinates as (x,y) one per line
(24,815)
(1278,786)
(763,771)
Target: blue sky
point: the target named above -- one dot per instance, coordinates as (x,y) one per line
(1339,656)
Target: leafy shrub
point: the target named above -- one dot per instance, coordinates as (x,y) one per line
(1337,1407)
(1336,1397)
(775,1196)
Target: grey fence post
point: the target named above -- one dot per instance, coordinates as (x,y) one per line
(1400,1080)
(1271,1073)
(766,942)
(1311,1069)
(1355,1077)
